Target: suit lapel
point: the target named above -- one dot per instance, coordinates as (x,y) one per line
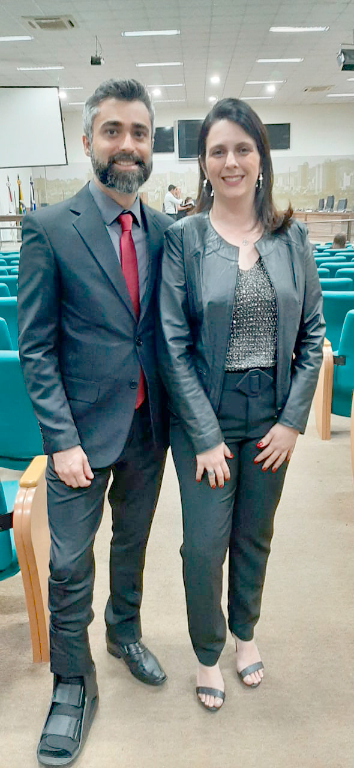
(89,224)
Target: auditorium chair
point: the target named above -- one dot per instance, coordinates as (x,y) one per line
(8,311)
(345,272)
(335,386)
(322,272)
(11,281)
(5,340)
(336,304)
(23,508)
(333,266)
(337,284)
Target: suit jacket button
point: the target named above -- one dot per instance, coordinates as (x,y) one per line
(133,384)
(138,342)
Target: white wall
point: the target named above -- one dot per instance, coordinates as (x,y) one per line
(315,130)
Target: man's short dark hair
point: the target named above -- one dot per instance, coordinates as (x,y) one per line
(122,90)
(339,240)
(171,187)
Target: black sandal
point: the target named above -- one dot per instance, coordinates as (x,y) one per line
(70,715)
(210,692)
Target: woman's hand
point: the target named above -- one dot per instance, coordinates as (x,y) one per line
(214,463)
(278,445)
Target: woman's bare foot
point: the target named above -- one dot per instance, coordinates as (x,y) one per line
(247,653)
(210,677)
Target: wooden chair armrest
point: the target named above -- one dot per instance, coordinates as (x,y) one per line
(323,396)
(31,475)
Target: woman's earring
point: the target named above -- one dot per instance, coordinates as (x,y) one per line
(205,187)
(259,184)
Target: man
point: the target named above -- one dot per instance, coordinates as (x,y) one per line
(339,240)
(172,201)
(87,346)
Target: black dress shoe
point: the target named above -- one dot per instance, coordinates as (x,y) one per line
(71,711)
(141,662)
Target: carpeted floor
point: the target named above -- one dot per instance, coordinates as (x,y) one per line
(302,714)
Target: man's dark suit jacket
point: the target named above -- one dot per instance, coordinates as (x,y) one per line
(80,345)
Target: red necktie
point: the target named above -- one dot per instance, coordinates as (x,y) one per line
(129,266)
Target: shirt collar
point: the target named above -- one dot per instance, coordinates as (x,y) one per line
(109,209)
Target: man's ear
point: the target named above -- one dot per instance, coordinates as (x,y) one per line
(87,148)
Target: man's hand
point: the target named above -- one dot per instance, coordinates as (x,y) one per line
(214,463)
(72,467)
(278,445)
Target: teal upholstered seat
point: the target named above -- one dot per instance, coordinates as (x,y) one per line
(345,272)
(333,265)
(20,441)
(3,270)
(4,289)
(8,311)
(321,259)
(336,304)
(5,339)
(343,375)
(323,272)
(11,281)
(337,284)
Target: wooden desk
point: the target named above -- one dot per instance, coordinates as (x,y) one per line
(323,226)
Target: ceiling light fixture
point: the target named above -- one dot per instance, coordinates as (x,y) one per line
(215,79)
(156,92)
(252,98)
(275,61)
(263,82)
(212,98)
(160,64)
(334,95)
(15,39)
(271,88)
(150,33)
(73,87)
(167,85)
(75,103)
(298,29)
(35,69)
(63,95)
(164,101)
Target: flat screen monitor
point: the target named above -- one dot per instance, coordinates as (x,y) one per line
(321,204)
(330,203)
(342,204)
(188,134)
(278,135)
(164,140)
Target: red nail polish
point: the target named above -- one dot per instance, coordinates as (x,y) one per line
(259,445)
(255,461)
(264,469)
(274,469)
(213,486)
(231,456)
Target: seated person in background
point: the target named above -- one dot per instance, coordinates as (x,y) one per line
(188,206)
(339,240)
(172,201)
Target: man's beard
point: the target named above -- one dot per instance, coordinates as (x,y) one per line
(124,182)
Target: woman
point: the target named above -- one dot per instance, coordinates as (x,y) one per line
(242,332)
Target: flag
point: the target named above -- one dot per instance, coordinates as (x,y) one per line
(32,200)
(21,205)
(12,203)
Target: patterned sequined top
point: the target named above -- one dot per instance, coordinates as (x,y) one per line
(253,336)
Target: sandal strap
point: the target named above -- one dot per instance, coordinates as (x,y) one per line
(252,668)
(211,692)
(69,693)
